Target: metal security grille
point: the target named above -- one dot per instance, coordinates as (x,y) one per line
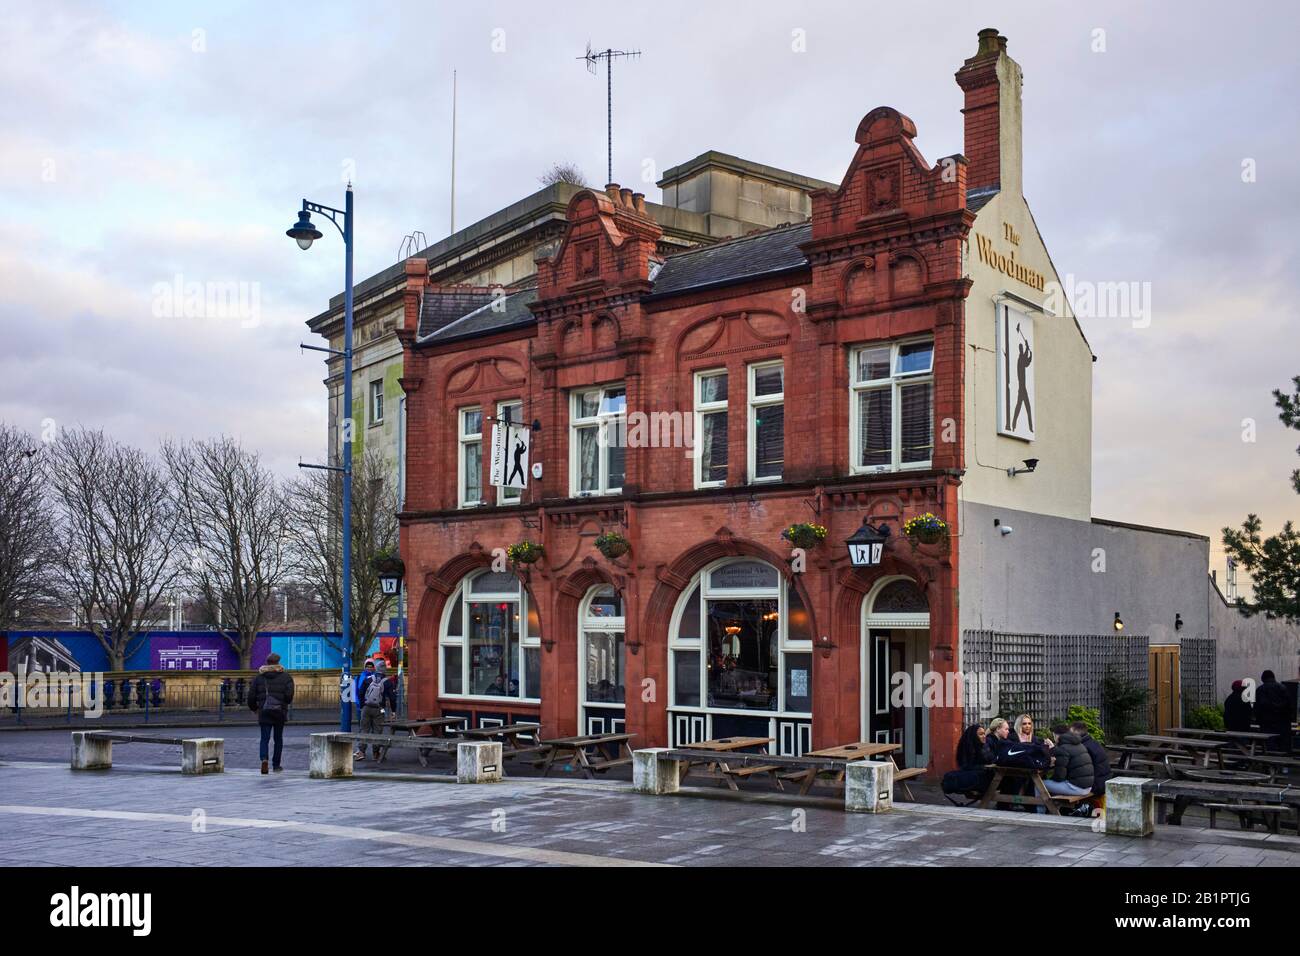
(1199,672)
(1044,674)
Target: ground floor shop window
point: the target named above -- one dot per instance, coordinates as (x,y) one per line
(740,649)
(491,640)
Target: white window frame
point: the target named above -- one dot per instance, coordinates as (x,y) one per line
(757,402)
(465,439)
(603,421)
(703,408)
(466,596)
(377,402)
(510,496)
(784,644)
(588,623)
(894,382)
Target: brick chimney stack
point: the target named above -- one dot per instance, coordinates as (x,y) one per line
(992,82)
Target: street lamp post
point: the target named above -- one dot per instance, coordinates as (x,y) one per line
(304,233)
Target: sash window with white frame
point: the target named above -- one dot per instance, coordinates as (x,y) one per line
(376,402)
(514,412)
(469,458)
(490,640)
(891,406)
(711,428)
(596,440)
(766,438)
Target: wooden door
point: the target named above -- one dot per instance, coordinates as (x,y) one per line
(1164,686)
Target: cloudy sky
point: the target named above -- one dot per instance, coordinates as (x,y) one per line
(150,145)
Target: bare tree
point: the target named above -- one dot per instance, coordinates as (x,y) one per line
(117,524)
(234,524)
(27,543)
(315,503)
(563,173)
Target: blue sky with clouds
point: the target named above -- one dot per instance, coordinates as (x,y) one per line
(143,142)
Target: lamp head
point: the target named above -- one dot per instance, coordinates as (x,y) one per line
(1119,624)
(302,231)
(1031,464)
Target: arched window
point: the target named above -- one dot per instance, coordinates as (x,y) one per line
(740,647)
(602,662)
(490,640)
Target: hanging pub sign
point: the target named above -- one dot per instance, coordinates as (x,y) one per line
(509,455)
(867,545)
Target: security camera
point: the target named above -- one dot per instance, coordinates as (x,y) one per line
(1006,529)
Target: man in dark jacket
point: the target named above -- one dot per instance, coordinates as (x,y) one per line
(1072,769)
(1273,711)
(1237,714)
(1100,759)
(270,697)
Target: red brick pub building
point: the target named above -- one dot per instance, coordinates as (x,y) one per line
(817,368)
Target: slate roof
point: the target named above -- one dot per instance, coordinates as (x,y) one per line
(452,315)
(481,318)
(776,250)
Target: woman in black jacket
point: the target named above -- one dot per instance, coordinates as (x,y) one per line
(1237,712)
(973,758)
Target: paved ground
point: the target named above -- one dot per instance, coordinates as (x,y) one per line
(143,812)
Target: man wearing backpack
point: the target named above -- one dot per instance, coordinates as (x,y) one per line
(270,697)
(374,692)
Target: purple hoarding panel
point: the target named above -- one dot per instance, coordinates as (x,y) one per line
(201,652)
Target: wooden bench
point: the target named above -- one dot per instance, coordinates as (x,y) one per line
(476,761)
(93,750)
(423,745)
(868,788)
(1269,801)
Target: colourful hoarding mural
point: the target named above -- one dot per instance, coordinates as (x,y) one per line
(179,651)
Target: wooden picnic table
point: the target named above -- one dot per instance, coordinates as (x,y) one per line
(1275,765)
(413,726)
(509,735)
(1159,746)
(1248,740)
(1041,797)
(591,752)
(859,750)
(720,768)
(1213,775)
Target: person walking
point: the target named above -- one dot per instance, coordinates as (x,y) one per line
(269,698)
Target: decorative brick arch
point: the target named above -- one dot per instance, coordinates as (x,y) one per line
(568,598)
(854,584)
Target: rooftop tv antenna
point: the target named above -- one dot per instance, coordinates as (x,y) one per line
(453,152)
(1232,579)
(608,55)
(411,245)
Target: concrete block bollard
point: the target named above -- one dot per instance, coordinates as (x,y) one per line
(203,755)
(1129,810)
(90,754)
(329,757)
(869,786)
(478,761)
(654,775)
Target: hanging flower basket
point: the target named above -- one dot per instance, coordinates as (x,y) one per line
(525,552)
(804,535)
(925,529)
(613,545)
(388,562)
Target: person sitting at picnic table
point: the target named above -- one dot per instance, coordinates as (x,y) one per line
(998,734)
(1100,760)
(1025,731)
(1237,713)
(1071,766)
(1274,712)
(974,754)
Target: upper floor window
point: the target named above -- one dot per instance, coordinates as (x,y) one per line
(509,412)
(376,402)
(469,463)
(597,423)
(711,429)
(766,438)
(891,406)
